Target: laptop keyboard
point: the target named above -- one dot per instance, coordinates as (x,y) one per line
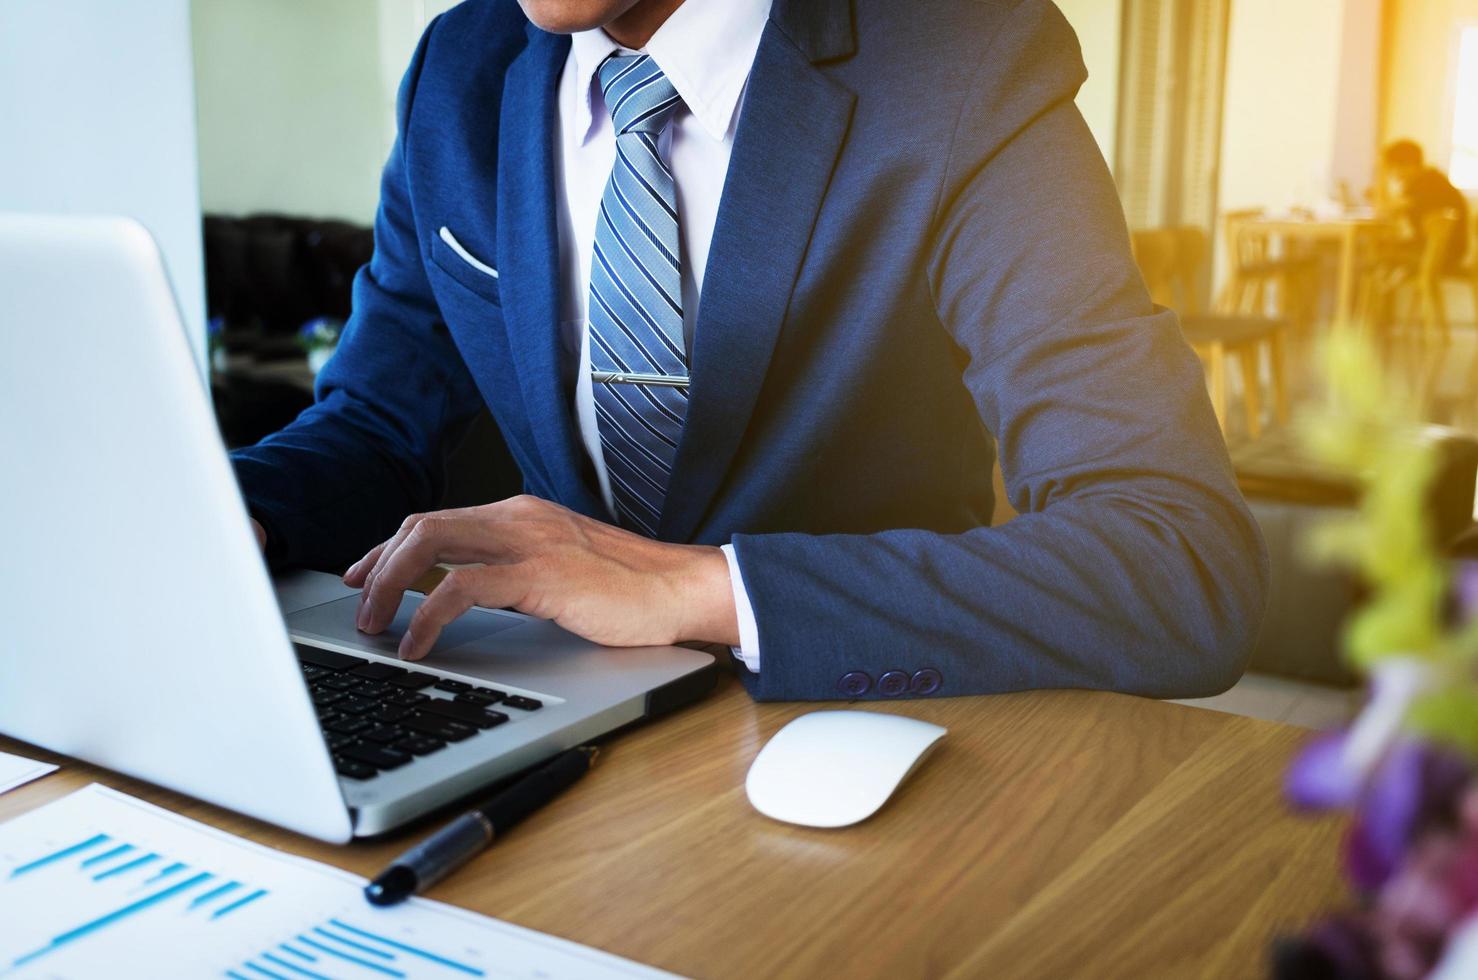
(377,717)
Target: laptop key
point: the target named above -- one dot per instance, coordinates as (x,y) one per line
(413,680)
(437,727)
(311,672)
(376,671)
(419,745)
(384,734)
(473,697)
(491,692)
(356,705)
(354,770)
(327,659)
(348,726)
(337,682)
(373,755)
(521,702)
(324,697)
(390,713)
(371,689)
(405,697)
(337,741)
(451,686)
(467,714)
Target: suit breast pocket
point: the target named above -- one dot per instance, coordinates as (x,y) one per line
(448,255)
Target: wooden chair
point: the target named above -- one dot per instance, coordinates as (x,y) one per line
(1469,272)
(1170,260)
(1389,281)
(1252,269)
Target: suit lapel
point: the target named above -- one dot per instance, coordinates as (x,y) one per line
(792,125)
(528,256)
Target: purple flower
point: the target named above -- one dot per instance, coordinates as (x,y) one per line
(1467,589)
(1319,779)
(1414,789)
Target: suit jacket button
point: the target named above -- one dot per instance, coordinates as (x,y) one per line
(893,683)
(926,681)
(854,684)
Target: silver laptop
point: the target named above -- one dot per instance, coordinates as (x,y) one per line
(143,632)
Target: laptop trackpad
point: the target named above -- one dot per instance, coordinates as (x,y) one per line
(335,621)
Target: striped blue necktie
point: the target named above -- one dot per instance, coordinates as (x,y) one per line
(636,317)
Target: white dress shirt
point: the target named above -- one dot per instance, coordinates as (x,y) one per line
(705,49)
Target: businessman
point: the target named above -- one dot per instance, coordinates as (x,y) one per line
(755,292)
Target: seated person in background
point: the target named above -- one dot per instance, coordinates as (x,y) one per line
(1411,191)
(917,255)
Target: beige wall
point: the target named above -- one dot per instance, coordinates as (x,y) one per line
(1420,70)
(1301,100)
(1099,26)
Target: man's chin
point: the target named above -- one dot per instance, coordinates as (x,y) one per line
(573,16)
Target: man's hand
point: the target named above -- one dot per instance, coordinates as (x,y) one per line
(605,584)
(261,534)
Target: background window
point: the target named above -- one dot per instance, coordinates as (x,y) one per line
(1464,164)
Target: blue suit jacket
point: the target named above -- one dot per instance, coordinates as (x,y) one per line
(919,253)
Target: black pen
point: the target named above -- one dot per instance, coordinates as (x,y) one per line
(467,836)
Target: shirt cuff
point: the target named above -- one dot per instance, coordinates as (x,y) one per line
(748,649)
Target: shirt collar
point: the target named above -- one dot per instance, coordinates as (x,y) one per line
(705,49)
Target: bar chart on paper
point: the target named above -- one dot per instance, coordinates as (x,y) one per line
(99,883)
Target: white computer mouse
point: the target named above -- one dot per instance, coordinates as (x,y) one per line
(834,768)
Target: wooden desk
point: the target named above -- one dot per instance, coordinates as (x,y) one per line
(1052,834)
(1347,231)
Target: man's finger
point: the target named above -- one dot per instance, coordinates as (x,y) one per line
(514,508)
(386,550)
(435,539)
(359,571)
(493,586)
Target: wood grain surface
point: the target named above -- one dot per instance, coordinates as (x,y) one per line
(1052,834)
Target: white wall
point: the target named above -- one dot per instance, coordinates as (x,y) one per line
(1099,24)
(294,112)
(297,101)
(97,116)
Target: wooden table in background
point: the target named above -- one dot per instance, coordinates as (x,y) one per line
(1052,834)
(1347,231)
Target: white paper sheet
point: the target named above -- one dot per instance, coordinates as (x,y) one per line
(16,770)
(102,884)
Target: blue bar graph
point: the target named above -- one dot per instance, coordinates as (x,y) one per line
(264,972)
(126,880)
(349,942)
(126,867)
(293,967)
(108,855)
(298,952)
(72,935)
(351,958)
(244,900)
(214,893)
(173,869)
(65,852)
(337,944)
(102,859)
(405,947)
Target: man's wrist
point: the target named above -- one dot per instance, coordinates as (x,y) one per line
(707,598)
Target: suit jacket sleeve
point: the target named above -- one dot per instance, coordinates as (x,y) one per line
(369,451)
(1135,564)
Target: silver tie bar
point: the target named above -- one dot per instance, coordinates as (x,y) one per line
(622,378)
